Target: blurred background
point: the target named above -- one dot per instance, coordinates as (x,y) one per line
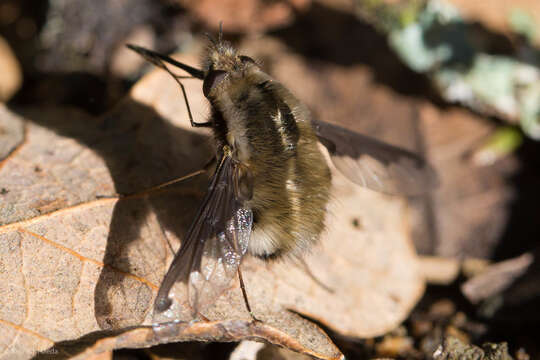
(457,81)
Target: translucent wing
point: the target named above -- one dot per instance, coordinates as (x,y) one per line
(211,252)
(374,164)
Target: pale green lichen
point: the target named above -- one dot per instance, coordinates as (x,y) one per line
(431,40)
(530,110)
(496,84)
(437,44)
(521,22)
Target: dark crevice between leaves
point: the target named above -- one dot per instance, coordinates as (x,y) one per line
(85,91)
(180,350)
(189,349)
(69,348)
(522,230)
(514,314)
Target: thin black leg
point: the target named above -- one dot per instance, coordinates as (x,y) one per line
(244,294)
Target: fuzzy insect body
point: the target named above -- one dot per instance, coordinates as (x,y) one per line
(269,193)
(270,134)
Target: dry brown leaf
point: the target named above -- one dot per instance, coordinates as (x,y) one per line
(11,74)
(496,278)
(11,133)
(245,15)
(126,63)
(438,270)
(472,201)
(80,269)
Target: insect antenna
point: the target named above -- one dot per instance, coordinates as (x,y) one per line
(302,262)
(220,34)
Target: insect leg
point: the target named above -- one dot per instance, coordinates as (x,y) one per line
(205,168)
(159,60)
(177,180)
(244,294)
(161,186)
(313,277)
(174,181)
(191,121)
(166,238)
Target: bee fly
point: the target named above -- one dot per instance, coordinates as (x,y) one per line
(270,189)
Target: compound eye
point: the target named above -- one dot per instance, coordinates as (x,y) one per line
(245,59)
(211,80)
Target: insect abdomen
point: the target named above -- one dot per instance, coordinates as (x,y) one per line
(291,178)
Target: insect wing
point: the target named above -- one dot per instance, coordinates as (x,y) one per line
(211,252)
(374,164)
